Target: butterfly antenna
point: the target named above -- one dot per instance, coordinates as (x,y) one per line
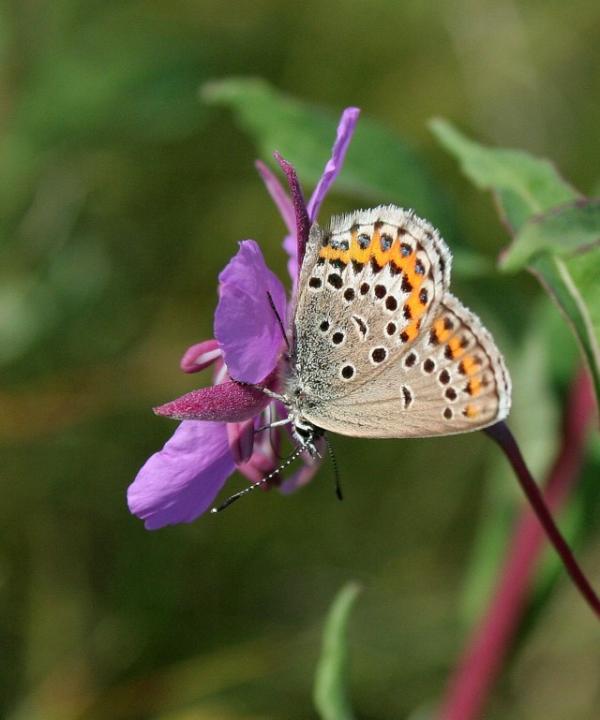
(336,470)
(279,320)
(230,500)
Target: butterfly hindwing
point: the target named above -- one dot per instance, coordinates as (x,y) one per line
(451,380)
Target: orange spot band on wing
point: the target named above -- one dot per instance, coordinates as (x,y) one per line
(468,365)
(471,411)
(441,332)
(455,347)
(411,331)
(415,306)
(474,386)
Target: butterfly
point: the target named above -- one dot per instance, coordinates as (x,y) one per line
(380,347)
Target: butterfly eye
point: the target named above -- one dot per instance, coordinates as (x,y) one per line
(405,249)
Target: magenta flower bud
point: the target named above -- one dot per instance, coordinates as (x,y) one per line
(227,402)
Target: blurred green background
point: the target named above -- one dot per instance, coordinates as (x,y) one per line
(122,195)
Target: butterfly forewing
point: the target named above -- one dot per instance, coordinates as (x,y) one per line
(369,284)
(382,348)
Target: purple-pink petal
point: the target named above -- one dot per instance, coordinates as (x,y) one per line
(200,356)
(245,324)
(257,467)
(305,473)
(291,247)
(301,477)
(181,481)
(241,440)
(299,205)
(278,195)
(334,164)
(227,402)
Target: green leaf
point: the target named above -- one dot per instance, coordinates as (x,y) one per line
(564,232)
(573,283)
(379,166)
(523,184)
(559,244)
(330,693)
(562,248)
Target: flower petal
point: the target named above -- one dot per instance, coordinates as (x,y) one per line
(278,195)
(334,164)
(300,211)
(241,440)
(227,402)
(181,481)
(257,467)
(245,324)
(291,247)
(299,478)
(200,356)
(304,474)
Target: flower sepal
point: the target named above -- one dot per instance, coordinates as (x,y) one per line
(228,402)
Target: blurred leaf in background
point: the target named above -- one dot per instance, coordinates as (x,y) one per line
(331,692)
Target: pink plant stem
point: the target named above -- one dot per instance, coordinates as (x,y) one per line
(482,660)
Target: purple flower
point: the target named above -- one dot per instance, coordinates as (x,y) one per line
(219,429)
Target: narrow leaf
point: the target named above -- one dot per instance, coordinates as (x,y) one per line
(563,232)
(557,231)
(524,185)
(574,285)
(330,691)
(562,248)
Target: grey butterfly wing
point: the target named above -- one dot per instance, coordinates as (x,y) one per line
(374,288)
(373,275)
(451,380)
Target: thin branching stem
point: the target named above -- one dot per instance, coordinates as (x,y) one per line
(501,433)
(482,659)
